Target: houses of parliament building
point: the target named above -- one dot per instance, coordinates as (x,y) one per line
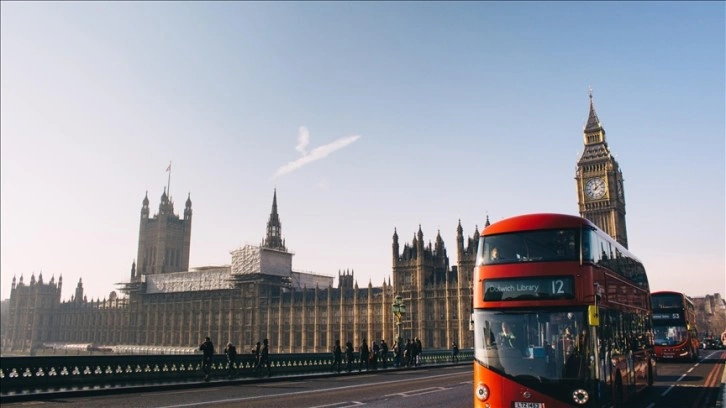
(259,295)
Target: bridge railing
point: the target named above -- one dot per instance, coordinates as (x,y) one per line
(24,375)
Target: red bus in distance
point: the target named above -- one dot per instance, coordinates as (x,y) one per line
(562,316)
(674,324)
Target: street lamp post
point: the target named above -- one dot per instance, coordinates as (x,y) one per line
(398,309)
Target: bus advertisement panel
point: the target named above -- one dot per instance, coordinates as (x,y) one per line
(562,316)
(674,324)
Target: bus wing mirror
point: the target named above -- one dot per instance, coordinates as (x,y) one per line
(593,317)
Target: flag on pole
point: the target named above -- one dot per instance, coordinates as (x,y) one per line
(169,168)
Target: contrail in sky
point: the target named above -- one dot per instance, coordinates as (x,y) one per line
(303,139)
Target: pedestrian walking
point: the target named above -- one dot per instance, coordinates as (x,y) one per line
(408,353)
(454,352)
(418,349)
(264,360)
(208,352)
(256,354)
(364,356)
(349,356)
(231,352)
(375,353)
(397,352)
(384,353)
(337,356)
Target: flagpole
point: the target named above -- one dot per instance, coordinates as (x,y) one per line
(168,183)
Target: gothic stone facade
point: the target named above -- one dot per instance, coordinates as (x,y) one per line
(258,296)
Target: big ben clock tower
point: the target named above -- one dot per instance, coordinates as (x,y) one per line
(600,194)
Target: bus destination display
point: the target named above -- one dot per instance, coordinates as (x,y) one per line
(541,288)
(666,316)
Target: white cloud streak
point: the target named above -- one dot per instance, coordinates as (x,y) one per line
(317,153)
(303,139)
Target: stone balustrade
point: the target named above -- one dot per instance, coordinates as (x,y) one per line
(45,374)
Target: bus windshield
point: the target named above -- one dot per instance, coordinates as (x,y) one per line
(670,335)
(539,345)
(530,246)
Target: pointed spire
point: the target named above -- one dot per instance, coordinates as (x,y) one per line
(487,223)
(188,207)
(274,239)
(459,229)
(593,123)
(145,206)
(166,206)
(274,201)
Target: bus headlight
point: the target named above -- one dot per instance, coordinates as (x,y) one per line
(580,396)
(482,392)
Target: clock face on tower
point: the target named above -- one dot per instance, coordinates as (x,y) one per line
(595,188)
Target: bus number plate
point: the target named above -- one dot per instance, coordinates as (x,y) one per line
(529,405)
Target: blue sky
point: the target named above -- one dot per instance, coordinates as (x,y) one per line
(421,113)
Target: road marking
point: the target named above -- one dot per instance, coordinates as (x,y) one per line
(317,391)
(711,382)
(414,393)
(346,404)
(671,387)
(708,379)
(667,391)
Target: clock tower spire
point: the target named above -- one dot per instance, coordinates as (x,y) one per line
(600,194)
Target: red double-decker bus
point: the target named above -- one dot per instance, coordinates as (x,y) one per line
(562,316)
(674,324)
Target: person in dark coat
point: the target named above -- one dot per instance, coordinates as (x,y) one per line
(337,356)
(231,352)
(264,360)
(208,352)
(375,351)
(384,353)
(349,356)
(408,353)
(364,356)
(256,353)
